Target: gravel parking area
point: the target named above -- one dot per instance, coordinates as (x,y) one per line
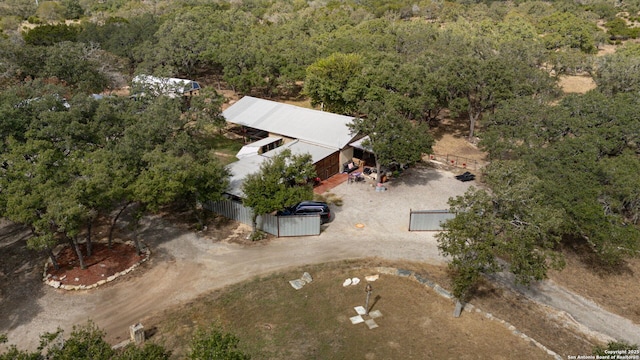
(385,215)
(387,212)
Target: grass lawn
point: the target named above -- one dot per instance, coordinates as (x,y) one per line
(223,148)
(275,321)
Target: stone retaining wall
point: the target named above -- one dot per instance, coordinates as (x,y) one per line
(58,285)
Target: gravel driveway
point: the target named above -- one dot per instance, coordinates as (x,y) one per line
(184,265)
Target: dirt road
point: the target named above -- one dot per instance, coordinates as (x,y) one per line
(184,265)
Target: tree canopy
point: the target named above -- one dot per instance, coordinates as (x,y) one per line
(65,162)
(392,138)
(282,181)
(87,341)
(567,176)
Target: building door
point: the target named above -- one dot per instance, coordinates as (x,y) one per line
(328,166)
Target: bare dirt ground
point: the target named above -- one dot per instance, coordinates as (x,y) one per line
(576,84)
(615,289)
(450,137)
(270,318)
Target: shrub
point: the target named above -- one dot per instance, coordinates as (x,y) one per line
(215,345)
(613,346)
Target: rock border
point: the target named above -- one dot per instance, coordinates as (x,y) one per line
(467,307)
(46,278)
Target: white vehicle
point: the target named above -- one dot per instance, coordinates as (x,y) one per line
(156,86)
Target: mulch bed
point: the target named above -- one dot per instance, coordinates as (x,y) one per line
(102,263)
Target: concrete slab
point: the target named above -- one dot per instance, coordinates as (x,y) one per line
(371,324)
(306,277)
(297,284)
(360,310)
(375,314)
(458,309)
(356,319)
(372,278)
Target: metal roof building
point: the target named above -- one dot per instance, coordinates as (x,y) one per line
(325,136)
(318,127)
(251,164)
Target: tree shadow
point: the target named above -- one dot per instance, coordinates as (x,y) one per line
(592,261)
(149,333)
(418,175)
(456,127)
(20,278)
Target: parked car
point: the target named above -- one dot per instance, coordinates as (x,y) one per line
(309,208)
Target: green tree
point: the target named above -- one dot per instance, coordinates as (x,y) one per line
(619,72)
(50,11)
(282,181)
(332,83)
(182,39)
(581,150)
(85,342)
(619,30)
(13,353)
(73,9)
(565,29)
(71,63)
(20,8)
(33,172)
(521,125)
(128,38)
(206,108)
(478,86)
(47,35)
(214,344)
(509,229)
(149,351)
(392,138)
(63,164)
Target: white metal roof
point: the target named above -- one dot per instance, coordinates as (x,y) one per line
(318,127)
(239,171)
(254,147)
(251,164)
(359,144)
(302,147)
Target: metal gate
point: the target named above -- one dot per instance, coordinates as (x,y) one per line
(428,220)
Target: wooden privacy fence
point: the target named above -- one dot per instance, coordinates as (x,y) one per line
(279,226)
(428,220)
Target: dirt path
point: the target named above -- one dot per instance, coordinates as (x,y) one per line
(184,265)
(579,313)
